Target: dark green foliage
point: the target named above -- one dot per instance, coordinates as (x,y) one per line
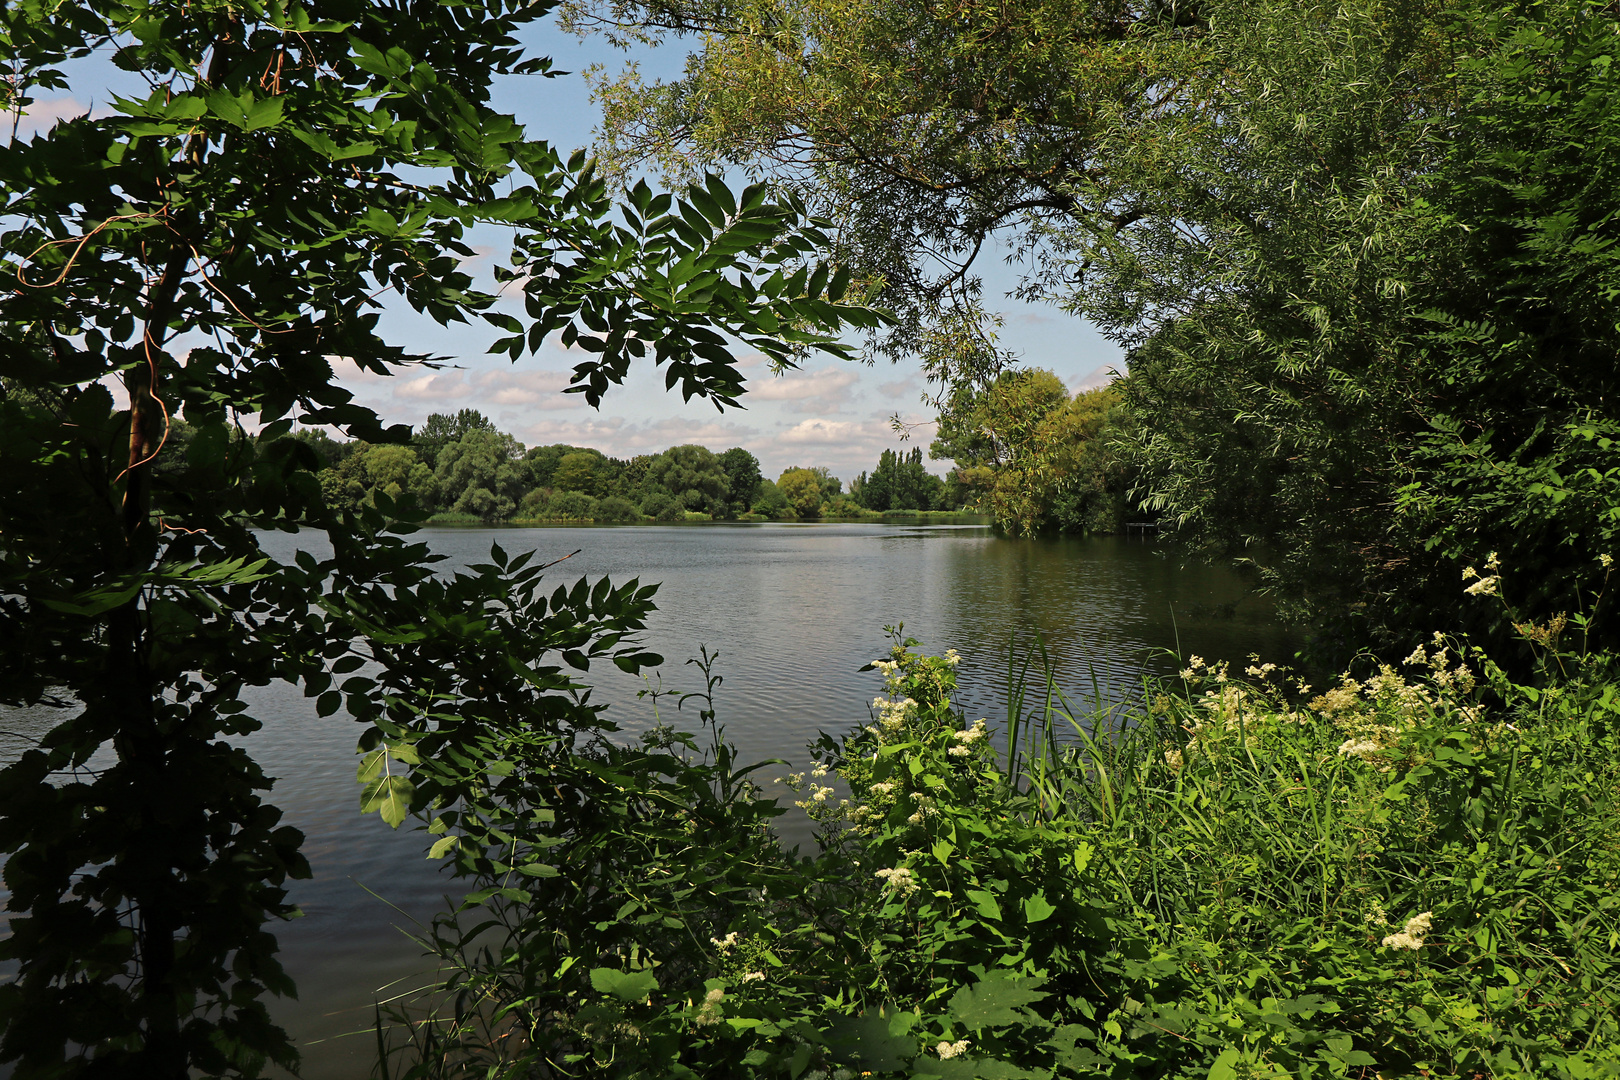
(900,482)
(742,479)
(770,502)
(616,510)
(1362,426)
(694,477)
(204,250)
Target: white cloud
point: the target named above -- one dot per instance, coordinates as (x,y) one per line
(808,391)
(823,432)
(530,389)
(437,388)
(846,447)
(1095,379)
(617,437)
(46,113)
(899,388)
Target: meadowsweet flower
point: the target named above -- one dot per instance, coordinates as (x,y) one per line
(724,944)
(1412,934)
(819,771)
(972,734)
(1418,658)
(952,657)
(1469,573)
(754,976)
(1606,561)
(1483,587)
(899,880)
(1492,562)
(882,788)
(1174,759)
(1365,749)
(709,1012)
(948,1050)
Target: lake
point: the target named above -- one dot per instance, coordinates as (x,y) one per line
(793,611)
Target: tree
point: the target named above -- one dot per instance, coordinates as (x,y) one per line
(920,130)
(480,474)
(205,249)
(576,471)
(742,479)
(899,482)
(770,502)
(803,491)
(1392,347)
(693,476)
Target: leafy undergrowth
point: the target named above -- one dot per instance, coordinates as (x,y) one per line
(1413,874)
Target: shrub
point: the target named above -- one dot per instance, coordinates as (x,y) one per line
(655,504)
(570,506)
(615,509)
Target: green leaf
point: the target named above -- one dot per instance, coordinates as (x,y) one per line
(998,1000)
(1037,908)
(986,903)
(1225,1066)
(389,797)
(627,986)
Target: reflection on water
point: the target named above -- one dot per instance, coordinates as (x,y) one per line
(793,612)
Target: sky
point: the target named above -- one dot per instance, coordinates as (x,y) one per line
(832,413)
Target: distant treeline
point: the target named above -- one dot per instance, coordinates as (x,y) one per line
(462,467)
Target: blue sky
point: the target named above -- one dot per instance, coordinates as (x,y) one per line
(831,412)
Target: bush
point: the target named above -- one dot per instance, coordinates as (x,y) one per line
(771,503)
(570,506)
(617,510)
(656,503)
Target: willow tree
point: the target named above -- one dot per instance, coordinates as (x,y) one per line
(204,252)
(922,130)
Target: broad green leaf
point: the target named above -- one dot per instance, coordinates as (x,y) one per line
(629,986)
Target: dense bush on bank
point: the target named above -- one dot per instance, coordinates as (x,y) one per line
(1410,872)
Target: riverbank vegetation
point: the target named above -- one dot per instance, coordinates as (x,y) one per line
(1407,874)
(1363,257)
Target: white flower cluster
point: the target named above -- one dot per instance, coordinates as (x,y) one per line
(966,738)
(948,1050)
(725,944)
(899,880)
(754,976)
(709,1012)
(926,809)
(892,715)
(1485,586)
(952,657)
(1412,934)
(1365,749)
(818,797)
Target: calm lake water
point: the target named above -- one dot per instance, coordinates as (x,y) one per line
(793,612)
